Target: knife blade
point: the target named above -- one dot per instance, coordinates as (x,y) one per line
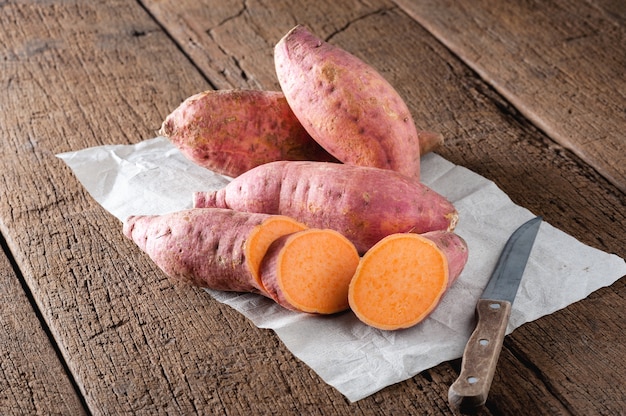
(493,309)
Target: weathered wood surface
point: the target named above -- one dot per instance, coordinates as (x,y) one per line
(560,62)
(79,74)
(32,378)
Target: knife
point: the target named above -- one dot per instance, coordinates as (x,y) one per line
(480,357)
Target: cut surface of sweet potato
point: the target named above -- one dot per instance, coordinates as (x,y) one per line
(310,271)
(398,282)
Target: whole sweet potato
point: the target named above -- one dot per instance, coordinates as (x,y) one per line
(216,248)
(232,131)
(364,204)
(346,105)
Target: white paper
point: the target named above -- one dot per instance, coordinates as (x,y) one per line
(153,177)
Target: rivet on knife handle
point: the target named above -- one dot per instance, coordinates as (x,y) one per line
(481,354)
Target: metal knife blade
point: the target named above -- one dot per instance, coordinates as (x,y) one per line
(480,357)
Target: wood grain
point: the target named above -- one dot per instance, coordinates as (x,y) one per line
(81,74)
(32,378)
(559,62)
(578,355)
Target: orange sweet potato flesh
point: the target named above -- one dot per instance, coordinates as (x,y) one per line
(455,249)
(346,105)
(215,248)
(232,131)
(401,280)
(310,271)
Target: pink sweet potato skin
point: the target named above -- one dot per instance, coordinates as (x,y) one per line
(232,131)
(364,204)
(346,105)
(269,265)
(202,247)
(455,249)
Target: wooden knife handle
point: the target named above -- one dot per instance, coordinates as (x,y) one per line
(481,354)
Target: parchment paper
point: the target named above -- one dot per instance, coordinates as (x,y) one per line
(153,177)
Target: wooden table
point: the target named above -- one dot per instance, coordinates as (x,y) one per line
(528,94)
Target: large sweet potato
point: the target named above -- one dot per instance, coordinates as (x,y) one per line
(346,105)
(364,204)
(232,131)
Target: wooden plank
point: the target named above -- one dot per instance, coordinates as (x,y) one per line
(80,74)
(561,345)
(232,42)
(32,378)
(483,132)
(560,62)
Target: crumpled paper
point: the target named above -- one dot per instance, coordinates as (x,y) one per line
(153,177)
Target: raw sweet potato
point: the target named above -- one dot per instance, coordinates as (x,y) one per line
(310,271)
(346,105)
(364,204)
(232,131)
(455,249)
(216,248)
(401,280)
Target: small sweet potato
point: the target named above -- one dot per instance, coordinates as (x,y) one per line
(364,204)
(401,280)
(232,131)
(215,248)
(310,271)
(346,105)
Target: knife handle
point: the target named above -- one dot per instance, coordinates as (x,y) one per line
(481,354)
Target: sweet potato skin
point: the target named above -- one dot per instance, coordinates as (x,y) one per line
(201,247)
(454,247)
(364,204)
(232,131)
(269,267)
(346,105)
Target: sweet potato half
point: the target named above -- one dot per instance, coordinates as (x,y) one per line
(401,280)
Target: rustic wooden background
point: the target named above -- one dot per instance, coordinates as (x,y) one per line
(528,94)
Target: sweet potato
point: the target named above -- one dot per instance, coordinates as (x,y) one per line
(232,131)
(401,280)
(310,271)
(215,248)
(346,105)
(455,249)
(364,204)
